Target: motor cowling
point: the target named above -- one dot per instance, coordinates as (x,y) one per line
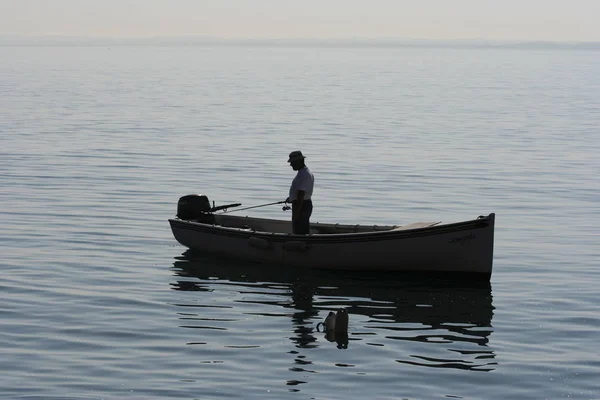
(195,207)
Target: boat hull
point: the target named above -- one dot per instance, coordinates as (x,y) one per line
(463,247)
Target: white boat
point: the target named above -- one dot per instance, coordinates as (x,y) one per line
(459,247)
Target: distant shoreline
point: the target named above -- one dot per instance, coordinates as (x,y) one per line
(43,41)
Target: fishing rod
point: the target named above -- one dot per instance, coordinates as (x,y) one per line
(261,205)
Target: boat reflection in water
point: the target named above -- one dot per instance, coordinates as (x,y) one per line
(436,315)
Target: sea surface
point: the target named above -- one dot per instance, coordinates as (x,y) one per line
(97,143)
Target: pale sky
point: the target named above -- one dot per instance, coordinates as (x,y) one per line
(551,20)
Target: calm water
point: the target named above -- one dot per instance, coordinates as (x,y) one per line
(98,301)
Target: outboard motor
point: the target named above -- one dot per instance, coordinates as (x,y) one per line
(195,207)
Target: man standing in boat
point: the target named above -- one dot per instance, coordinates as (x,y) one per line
(300,194)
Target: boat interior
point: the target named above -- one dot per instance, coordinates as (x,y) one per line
(281,226)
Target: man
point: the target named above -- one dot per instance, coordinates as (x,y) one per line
(300,194)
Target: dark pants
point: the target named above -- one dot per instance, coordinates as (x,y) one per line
(302,225)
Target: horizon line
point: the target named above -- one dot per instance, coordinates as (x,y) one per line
(57,39)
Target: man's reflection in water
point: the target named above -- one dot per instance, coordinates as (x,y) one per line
(302,300)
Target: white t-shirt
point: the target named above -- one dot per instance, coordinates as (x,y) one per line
(304,180)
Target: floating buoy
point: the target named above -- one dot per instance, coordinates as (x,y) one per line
(335,322)
(341,321)
(328,324)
